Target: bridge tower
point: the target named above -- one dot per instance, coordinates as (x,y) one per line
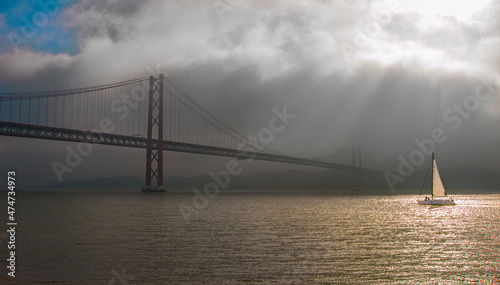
(154,153)
(356,164)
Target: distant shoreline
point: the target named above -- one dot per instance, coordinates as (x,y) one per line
(456,181)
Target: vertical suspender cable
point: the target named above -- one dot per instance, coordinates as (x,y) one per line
(78,110)
(10,112)
(55,117)
(29,110)
(38,111)
(170,117)
(63,111)
(20,101)
(46,112)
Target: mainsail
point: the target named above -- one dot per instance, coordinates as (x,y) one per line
(437,185)
(437,188)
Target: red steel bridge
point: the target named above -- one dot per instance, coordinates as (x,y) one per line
(150,113)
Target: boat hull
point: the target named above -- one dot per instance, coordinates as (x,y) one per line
(436,202)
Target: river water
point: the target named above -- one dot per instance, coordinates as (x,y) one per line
(252,237)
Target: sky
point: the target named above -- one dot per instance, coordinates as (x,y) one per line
(381,74)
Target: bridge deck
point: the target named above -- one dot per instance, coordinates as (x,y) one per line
(40,132)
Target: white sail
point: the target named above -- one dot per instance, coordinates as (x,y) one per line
(437,185)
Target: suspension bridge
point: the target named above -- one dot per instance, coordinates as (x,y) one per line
(150,113)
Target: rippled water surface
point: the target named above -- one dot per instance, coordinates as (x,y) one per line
(254,237)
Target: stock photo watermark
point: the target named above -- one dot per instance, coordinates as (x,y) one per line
(221,7)
(221,179)
(31,27)
(454,117)
(371,28)
(120,277)
(11,223)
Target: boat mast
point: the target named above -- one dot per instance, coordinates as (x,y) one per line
(432,177)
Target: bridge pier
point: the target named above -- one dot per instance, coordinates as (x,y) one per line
(356,167)
(154,153)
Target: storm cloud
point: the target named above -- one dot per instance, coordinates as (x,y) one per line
(378,73)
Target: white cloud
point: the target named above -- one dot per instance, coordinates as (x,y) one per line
(27,64)
(274,36)
(431,40)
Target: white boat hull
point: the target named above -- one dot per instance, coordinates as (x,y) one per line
(436,202)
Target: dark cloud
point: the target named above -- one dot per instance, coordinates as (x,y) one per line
(104,18)
(268,54)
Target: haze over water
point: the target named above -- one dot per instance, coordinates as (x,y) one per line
(254,237)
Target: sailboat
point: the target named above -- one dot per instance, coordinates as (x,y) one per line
(438,192)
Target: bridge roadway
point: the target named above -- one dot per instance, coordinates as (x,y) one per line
(40,132)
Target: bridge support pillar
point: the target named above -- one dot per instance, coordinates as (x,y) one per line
(356,164)
(154,153)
